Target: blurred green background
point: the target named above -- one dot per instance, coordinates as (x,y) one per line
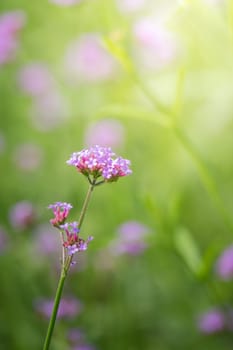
(152,79)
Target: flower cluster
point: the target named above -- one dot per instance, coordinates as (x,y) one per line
(70,231)
(73,243)
(100,161)
(61,211)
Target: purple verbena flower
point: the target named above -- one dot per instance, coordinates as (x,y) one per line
(61,211)
(100,161)
(73,242)
(211,321)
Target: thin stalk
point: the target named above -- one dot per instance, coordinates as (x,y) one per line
(66,262)
(85,204)
(55,309)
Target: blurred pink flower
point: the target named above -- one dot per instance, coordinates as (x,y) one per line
(130,5)
(10,24)
(66,2)
(155,46)
(68,308)
(49,111)
(211,321)
(130,239)
(28,156)
(35,79)
(133,230)
(107,132)
(47,240)
(87,60)
(224,264)
(22,215)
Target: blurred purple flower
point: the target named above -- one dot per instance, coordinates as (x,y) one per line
(66,2)
(22,215)
(224,264)
(107,132)
(49,110)
(35,79)
(47,241)
(75,335)
(129,247)
(28,156)
(130,239)
(133,230)
(130,5)
(155,46)
(10,24)
(87,60)
(211,321)
(68,308)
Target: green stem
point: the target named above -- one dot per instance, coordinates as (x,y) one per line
(66,262)
(55,309)
(85,204)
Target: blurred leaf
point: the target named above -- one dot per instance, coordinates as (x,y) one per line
(208,260)
(119,53)
(187,248)
(133,112)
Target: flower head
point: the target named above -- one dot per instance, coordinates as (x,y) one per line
(100,161)
(61,211)
(73,242)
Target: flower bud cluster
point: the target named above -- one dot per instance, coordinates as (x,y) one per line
(70,231)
